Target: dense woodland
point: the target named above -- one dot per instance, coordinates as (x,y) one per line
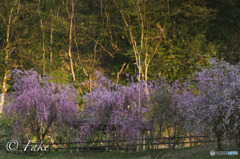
(78,42)
(72,39)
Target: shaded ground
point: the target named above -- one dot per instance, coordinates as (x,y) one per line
(197,152)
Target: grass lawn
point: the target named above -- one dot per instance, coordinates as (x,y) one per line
(197,152)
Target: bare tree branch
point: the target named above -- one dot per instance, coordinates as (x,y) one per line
(96,41)
(4,21)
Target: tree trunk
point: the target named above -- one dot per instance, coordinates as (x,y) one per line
(44,54)
(4,89)
(90,83)
(146,72)
(70,41)
(144,45)
(51,42)
(43,39)
(118,73)
(168,5)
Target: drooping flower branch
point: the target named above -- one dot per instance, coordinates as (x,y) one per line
(37,104)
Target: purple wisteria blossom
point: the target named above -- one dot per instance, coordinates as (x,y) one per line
(212,100)
(116,108)
(36,105)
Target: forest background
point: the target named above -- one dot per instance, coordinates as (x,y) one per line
(71,39)
(74,41)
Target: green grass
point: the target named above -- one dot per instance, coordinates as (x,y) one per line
(82,155)
(196,152)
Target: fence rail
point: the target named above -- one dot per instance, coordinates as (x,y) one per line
(117,145)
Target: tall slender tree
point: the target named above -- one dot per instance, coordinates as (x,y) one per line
(144,44)
(43,39)
(70,6)
(10,22)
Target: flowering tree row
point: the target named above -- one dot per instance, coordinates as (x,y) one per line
(38,106)
(209,101)
(127,110)
(213,100)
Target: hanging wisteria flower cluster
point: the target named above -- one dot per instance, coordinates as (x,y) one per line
(213,100)
(36,105)
(209,101)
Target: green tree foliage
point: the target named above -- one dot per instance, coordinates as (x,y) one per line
(183,33)
(223,30)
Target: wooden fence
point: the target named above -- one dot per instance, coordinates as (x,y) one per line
(119,145)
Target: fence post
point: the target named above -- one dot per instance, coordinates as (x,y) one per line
(68,147)
(107,143)
(169,138)
(76,146)
(148,142)
(190,140)
(88,149)
(144,142)
(138,134)
(76,141)
(116,144)
(140,142)
(49,147)
(84,144)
